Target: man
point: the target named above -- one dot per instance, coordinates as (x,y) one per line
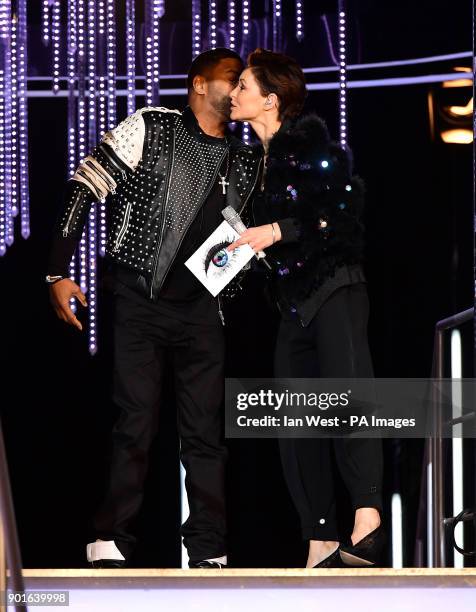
(170,175)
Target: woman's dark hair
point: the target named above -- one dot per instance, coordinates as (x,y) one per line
(207,60)
(282,75)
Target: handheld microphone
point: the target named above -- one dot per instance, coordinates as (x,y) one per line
(234,219)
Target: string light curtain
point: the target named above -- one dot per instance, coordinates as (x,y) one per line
(90,64)
(14,194)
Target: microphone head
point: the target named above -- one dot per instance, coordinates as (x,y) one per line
(229,213)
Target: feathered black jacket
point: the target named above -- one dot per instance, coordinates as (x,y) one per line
(309,190)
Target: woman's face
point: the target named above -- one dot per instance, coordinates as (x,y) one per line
(247,102)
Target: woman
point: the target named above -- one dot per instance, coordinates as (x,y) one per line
(308,211)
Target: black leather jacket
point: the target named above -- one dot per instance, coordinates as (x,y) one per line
(156,187)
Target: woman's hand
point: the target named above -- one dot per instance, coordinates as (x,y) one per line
(258,237)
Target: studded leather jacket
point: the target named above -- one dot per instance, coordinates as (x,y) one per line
(156,169)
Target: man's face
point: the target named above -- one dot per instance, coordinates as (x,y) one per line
(221,80)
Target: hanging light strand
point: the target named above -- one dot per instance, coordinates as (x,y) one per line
(111,64)
(232,24)
(71,68)
(23,119)
(299,20)
(14,125)
(245,32)
(101,17)
(55,36)
(5,13)
(81,74)
(342,74)
(45,21)
(91,64)
(72,42)
(196,28)
(245,28)
(92,139)
(212,23)
(3,246)
(148,8)
(101,70)
(157,12)
(277,22)
(131,56)
(7,152)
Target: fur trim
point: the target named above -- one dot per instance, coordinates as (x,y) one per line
(309,180)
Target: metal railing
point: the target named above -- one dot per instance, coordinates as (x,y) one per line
(435,455)
(9,547)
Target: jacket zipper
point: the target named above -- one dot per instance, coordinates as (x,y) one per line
(123,230)
(70,216)
(191,221)
(220,311)
(114,163)
(85,176)
(156,255)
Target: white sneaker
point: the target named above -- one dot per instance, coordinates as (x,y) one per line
(104,553)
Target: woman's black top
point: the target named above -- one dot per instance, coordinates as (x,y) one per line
(310,191)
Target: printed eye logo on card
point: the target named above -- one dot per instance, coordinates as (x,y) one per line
(213,265)
(218,259)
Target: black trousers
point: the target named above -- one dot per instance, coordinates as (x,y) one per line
(144,339)
(334,345)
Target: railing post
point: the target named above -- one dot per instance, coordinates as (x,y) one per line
(437,458)
(10,536)
(3,569)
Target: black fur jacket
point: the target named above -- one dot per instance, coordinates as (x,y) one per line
(309,190)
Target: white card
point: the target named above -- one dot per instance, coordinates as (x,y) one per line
(213,265)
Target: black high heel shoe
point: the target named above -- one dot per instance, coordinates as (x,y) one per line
(367,551)
(333,560)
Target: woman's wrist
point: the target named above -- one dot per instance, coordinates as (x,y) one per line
(276,230)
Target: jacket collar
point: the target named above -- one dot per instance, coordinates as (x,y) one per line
(193,128)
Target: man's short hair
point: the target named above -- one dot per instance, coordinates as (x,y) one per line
(207,60)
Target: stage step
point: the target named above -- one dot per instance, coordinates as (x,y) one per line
(264,590)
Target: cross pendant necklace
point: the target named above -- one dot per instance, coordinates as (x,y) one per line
(223,182)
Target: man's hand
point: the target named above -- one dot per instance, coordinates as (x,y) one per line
(60,294)
(258,237)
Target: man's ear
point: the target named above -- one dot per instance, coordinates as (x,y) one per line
(199,85)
